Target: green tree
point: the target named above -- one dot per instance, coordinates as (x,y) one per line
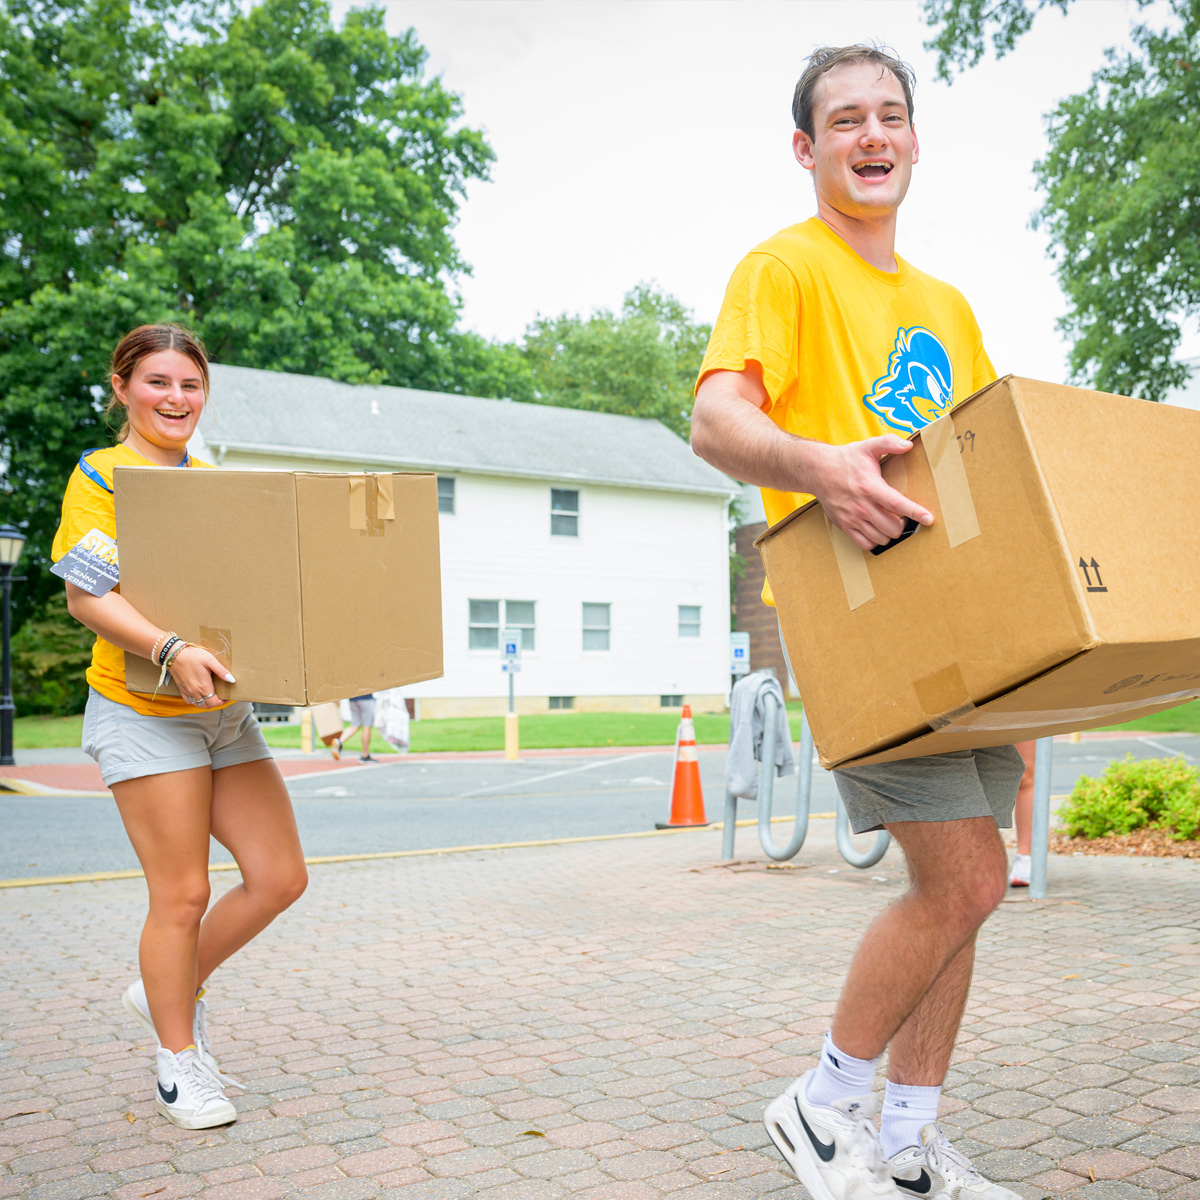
(640,362)
(1122,189)
(285,188)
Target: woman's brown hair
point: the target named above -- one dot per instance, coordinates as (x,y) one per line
(143,341)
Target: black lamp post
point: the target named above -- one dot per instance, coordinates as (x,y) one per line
(11,543)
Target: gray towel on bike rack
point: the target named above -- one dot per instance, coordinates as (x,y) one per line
(746,734)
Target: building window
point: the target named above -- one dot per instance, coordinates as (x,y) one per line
(446,493)
(518,614)
(484,623)
(595,626)
(484,619)
(670,701)
(557,702)
(564,512)
(689,620)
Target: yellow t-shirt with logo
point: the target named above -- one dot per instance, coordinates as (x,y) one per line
(89,504)
(847,351)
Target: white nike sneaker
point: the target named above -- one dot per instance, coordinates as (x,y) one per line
(134,1001)
(1019,875)
(188,1094)
(934,1170)
(833,1151)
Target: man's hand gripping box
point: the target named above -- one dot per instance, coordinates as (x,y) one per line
(1057,590)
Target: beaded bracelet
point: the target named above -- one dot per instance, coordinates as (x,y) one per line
(162,637)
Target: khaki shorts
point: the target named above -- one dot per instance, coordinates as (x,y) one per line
(128,745)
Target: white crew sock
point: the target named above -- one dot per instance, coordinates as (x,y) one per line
(838,1075)
(906,1111)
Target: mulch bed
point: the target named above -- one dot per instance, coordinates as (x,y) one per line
(1144,843)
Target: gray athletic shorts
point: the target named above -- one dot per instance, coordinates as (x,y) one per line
(935,787)
(129,745)
(362,712)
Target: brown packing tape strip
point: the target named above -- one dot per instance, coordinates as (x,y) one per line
(943,696)
(1039,718)
(386,505)
(852,566)
(950,480)
(358,502)
(372,501)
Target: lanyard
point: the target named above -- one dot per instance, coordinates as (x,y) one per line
(95,475)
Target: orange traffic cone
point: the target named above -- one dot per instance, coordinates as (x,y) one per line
(687,800)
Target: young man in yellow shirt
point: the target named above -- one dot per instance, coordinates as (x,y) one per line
(828,348)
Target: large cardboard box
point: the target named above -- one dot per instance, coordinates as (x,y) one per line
(310,586)
(1058,589)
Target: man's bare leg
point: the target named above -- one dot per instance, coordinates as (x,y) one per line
(957,871)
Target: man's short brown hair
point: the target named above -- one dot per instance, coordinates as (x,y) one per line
(824,59)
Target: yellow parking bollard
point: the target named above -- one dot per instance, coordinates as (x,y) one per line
(512,739)
(306,731)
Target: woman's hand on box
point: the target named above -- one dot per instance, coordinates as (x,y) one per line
(196,671)
(850,486)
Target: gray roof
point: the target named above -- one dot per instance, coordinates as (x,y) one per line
(271,412)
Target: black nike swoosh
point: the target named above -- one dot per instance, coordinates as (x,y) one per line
(921,1184)
(169,1097)
(824,1153)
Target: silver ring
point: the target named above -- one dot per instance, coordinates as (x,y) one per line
(208,697)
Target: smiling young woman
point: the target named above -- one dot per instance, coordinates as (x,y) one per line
(181,768)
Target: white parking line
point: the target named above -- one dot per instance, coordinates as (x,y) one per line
(1174,753)
(600,762)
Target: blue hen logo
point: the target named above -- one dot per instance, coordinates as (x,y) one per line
(919,385)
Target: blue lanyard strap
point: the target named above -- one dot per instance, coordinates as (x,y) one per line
(95,475)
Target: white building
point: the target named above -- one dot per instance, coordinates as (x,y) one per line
(602,537)
(1188,395)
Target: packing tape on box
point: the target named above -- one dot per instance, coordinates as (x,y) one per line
(950,481)
(943,696)
(1035,718)
(371,503)
(958,515)
(852,566)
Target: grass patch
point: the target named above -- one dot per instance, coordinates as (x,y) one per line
(545,731)
(1183,718)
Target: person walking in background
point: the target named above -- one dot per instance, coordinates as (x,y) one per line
(828,350)
(181,768)
(362,716)
(1018,875)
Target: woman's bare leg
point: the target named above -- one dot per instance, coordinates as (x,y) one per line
(167,819)
(252,818)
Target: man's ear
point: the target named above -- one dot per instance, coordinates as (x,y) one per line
(802,148)
(916,145)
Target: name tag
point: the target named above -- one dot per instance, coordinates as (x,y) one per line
(91,564)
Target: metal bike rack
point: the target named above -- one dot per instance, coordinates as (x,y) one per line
(1039,848)
(766,793)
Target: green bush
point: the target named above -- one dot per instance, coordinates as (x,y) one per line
(51,652)
(1163,793)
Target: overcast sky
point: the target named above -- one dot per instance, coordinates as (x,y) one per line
(651,140)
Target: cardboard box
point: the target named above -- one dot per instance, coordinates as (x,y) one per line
(1058,590)
(310,586)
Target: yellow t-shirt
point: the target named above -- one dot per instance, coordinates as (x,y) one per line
(88,504)
(847,351)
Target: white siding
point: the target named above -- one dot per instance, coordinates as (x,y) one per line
(643,552)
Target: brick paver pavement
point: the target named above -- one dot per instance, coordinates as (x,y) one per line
(602,1021)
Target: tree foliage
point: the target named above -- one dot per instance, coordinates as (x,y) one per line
(1122,190)
(285,188)
(640,362)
